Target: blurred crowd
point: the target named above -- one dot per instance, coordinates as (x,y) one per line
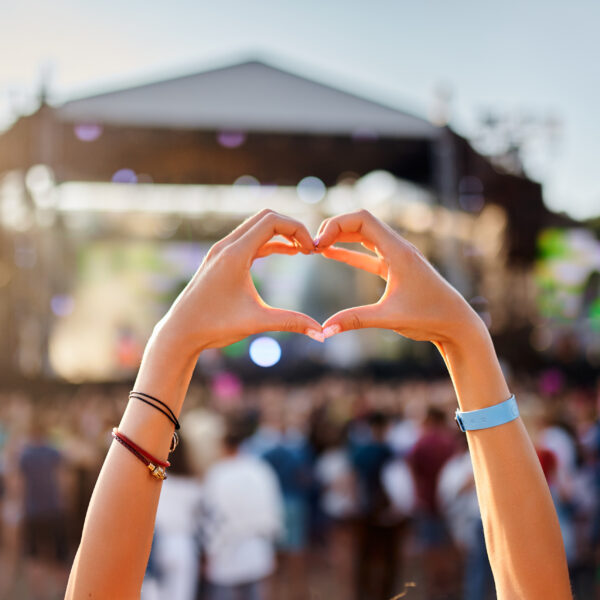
(334,488)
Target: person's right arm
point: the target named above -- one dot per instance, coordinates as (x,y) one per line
(521,527)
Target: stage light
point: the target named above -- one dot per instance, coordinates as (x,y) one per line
(265,352)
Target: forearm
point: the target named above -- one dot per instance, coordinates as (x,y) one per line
(117,534)
(521,527)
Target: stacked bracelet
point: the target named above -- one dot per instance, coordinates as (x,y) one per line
(151,400)
(157,467)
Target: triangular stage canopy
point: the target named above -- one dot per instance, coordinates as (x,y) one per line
(251,96)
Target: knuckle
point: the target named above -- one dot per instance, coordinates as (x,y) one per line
(290,324)
(271,217)
(229,254)
(408,250)
(215,249)
(355,321)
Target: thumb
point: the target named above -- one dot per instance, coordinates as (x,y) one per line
(278,319)
(359,317)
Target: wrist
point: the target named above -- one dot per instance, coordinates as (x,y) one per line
(468,337)
(474,369)
(171,337)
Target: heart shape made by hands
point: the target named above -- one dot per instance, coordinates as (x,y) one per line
(417,301)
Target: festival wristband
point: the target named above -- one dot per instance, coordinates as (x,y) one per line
(488,417)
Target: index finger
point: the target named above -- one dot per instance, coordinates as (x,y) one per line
(271,225)
(358,227)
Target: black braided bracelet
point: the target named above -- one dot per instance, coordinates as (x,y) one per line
(147,399)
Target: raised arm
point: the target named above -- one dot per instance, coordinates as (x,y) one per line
(521,527)
(219,306)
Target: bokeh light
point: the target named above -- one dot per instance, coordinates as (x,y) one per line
(377,186)
(87,132)
(62,305)
(124,176)
(311,190)
(39,179)
(265,352)
(231,139)
(246,180)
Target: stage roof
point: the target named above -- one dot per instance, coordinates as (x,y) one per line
(251,96)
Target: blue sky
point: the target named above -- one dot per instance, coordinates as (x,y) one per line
(534,57)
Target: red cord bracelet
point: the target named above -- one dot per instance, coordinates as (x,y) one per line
(162,463)
(157,467)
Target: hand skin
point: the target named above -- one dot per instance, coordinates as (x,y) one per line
(521,527)
(219,306)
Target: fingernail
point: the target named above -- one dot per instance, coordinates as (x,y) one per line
(315,335)
(331,330)
(316,242)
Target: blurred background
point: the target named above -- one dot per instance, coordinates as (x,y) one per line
(133,136)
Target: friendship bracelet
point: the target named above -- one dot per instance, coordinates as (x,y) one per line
(146,399)
(157,468)
(149,456)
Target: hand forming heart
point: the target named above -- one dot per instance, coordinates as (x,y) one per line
(220,305)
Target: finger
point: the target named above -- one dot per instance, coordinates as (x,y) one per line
(245,225)
(277,248)
(359,317)
(279,319)
(271,225)
(369,246)
(353,237)
(294,242)
(348,238)
(319,232)
(322,226)
(358,226)
(359,260)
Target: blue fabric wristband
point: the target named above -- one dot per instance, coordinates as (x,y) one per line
(490,416)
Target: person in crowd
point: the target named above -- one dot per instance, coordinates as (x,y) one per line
(376,526)
(221,306)
(558,452)
(11,493)
(338,497)
(434,447)
(45,541)
(242,517)
(176,556)
(290,458)
(457,500)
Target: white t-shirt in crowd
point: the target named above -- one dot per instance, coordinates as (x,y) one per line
(399,485)
(458,499)
(175,547)
(179,507)
(242,517)
(335,474)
